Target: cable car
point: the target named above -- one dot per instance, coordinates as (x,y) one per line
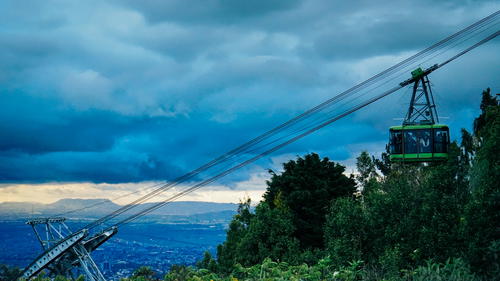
(419,138)
(419,143)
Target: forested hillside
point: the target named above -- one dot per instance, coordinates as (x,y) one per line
(389,222)
(408,222)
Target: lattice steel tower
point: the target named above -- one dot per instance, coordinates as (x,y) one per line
(64,250)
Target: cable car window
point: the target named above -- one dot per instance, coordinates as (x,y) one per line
(410,141)
(424,141)
(440,141)
(396,142)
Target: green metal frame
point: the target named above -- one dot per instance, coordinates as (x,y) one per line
(418,157)
(416,127)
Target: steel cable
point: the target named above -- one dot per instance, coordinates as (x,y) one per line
(300,118)
(267,152)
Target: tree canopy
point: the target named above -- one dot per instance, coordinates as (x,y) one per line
(288,224)
(305,189)
(407,214)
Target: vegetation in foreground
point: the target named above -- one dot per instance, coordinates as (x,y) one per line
(411,222)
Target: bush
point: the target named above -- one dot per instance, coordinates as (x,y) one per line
(452,270)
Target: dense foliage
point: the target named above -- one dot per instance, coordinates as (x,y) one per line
(451,270)
(389,222)
(288,224)
(305,190)
(405,217)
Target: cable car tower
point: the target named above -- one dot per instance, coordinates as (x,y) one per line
(63,250)
(420,138)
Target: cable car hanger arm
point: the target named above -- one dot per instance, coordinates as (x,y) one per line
(418,73)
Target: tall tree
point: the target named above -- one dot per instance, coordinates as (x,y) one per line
(482,215)
(306,188)
(366,168)
(269,235)
(227,252)
(487,102)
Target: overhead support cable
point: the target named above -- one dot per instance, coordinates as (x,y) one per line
(297,137)
(319,114)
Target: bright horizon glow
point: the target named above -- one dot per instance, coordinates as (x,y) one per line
(47,193)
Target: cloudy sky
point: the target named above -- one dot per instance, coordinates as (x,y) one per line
(100,98)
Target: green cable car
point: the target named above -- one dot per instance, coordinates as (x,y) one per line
(419,143)
(419,138)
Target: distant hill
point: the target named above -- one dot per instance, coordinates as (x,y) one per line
(183,211)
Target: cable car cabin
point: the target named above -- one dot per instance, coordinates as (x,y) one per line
(419,143)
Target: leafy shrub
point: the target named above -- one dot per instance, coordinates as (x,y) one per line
(452,270)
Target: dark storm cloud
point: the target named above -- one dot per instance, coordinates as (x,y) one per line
(126,91)
(211,11)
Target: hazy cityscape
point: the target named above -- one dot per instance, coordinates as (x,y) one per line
(177,240)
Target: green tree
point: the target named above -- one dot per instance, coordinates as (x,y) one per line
(482,217)
(384,163)
(9,273)
(487,103)
(269,235)
(305,189)
(345,231)
(143,273)
(288,224)
(366,168)
(207,262)
(367,172)
(180,273)
(227,252)
(415,214)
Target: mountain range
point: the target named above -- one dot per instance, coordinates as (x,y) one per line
(182,211)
